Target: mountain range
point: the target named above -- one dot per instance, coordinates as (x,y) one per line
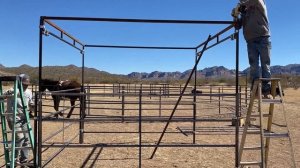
(94,75)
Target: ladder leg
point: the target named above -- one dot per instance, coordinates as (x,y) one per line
(3,126)
(261,125)
(270,119)
(247,122)
(27,127)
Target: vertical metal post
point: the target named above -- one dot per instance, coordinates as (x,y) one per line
(237,113)
(150,90)
(179,88)
(168,90)
(219,100)
(35,127)
(88,101)
(160,101)
(140,129)
(210,91)
(128,88)
(82,68)
(82,102)
(195,101)
(240,97)
(113,89)
(38,157)
(119,88)
(223,92)
(123,103)
(246,92)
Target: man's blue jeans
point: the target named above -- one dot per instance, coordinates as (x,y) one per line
(259,50)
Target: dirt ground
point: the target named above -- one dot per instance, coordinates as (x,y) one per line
(100,136)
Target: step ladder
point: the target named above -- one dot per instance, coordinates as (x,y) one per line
(9,142)
(263,130)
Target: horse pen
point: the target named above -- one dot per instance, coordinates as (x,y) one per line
(140,125)
(123,123)
(113,133)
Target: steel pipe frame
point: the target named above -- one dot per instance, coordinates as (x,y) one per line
(137,145)
(137,20)
(38,125)
(119,119)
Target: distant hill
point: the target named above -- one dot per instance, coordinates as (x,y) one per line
(212,72)
(71,72)
(291,69)
(93,75)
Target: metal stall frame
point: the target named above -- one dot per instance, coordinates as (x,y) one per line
(75,43)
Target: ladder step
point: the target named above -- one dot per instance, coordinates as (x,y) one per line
(23,147)
(5,96)
(272,101)
(252,148)
(269,79)
(7,114)
(257,115)
(250,163)
(9,131)
(7,142)
(276,135)
(18,148)
(253,132)
(21,164)
(25,164)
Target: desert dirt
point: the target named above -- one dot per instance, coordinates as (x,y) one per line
(102,131)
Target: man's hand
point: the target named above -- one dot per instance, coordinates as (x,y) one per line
(31,107)
(31,115)
(236,11)
(237,23)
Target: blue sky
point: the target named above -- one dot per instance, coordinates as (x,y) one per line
(20,20)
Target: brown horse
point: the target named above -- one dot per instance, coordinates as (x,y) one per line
(64,87)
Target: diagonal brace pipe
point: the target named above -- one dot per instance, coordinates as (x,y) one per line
(182,92)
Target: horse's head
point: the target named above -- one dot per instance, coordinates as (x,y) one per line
(51,85)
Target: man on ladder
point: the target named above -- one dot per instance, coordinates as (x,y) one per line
(255,23)
(252,16)
(20,125)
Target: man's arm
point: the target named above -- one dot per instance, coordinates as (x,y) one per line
(31,106)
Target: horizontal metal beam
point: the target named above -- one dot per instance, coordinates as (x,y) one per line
(120,118)
(142,47)
(138,20)
(137,145)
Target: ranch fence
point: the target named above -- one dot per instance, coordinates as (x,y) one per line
(161,97)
